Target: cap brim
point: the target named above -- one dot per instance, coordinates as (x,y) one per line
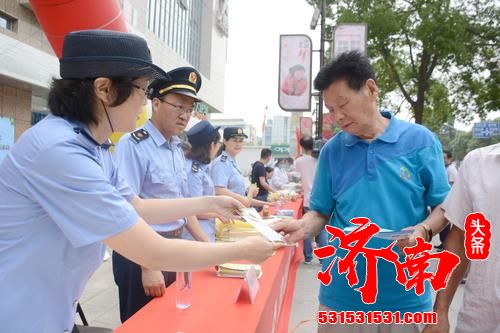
(106,67)
(233,135)
(185,92)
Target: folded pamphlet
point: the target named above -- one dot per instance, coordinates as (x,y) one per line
(386,233)
(252,217)
(237,270)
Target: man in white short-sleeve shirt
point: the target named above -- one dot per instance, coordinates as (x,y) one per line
(451,166)
(476,189)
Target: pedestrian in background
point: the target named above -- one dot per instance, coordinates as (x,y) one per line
(259,174)
(451,172)
(476,189)
(305,165)
(279,181)
(451,166)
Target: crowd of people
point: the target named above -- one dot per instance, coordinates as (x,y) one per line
(64,196)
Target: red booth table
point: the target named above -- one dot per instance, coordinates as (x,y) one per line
(213,307)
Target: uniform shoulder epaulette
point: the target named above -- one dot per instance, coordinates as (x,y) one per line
(195,167)
(223,158)
(139,135)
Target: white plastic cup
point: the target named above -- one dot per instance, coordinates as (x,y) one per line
(183,295)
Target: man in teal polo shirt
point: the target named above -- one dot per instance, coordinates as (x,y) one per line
(378,167)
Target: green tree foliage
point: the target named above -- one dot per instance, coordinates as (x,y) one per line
(439,57)
(460,143)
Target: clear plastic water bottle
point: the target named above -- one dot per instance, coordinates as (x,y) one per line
(183,294)
(279,204)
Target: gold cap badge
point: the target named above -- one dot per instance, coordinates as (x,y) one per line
(193,77)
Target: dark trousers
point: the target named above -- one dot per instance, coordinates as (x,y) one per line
(321,240)
(128,278)
(261,197)
(444,233)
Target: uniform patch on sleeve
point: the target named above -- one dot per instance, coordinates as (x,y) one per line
(223,158)
(139,135)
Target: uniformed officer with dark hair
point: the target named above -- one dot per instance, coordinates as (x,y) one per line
(204,139)
(152,162)
(226,173)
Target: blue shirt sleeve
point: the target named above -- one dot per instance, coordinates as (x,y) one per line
(130,165)
(121,184)
(321,199)
(70,185)
(220,174)
(433,174)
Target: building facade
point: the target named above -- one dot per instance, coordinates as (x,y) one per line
(280,130)
(248,129)
(179,33)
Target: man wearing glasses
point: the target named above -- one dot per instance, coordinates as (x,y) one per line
(152,161)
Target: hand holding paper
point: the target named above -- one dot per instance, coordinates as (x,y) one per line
(252,217)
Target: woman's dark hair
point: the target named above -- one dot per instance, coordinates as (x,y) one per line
(269,169)
(307,143)
(76,100)
(202,153)
(283,159)
(222,147)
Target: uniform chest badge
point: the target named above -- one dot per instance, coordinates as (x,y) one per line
(193,77)
(404,173)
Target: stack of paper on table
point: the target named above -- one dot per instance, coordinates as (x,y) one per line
(237,270)
(254,226)
(235,231)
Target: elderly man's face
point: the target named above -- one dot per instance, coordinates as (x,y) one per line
(353,111)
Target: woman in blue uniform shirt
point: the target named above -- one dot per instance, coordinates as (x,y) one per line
(62,198)
(205,141)
(226,173)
